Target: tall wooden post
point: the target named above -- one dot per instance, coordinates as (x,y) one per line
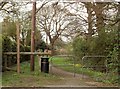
(32,35)
(119,45)
(18,47)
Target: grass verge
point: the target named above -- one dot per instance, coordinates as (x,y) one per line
(27,78)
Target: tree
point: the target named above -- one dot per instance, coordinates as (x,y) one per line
(25,22)
(119,43)
(101,31)
(53,20)
(3,7)
(96,16)
(9,28)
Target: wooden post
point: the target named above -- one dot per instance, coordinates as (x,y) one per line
(5,56)
(32,35)
(18,47)
(9,60)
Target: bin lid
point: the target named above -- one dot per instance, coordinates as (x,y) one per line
(44,57)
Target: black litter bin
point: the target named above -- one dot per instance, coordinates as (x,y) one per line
(45,64)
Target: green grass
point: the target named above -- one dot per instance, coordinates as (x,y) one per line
(60,60)
(77,68)
(27,78)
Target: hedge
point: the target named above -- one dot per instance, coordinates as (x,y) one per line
(8,45)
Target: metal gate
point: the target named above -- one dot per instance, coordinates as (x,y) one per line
(103,66)
(74,64)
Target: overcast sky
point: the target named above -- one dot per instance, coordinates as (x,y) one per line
(39,3)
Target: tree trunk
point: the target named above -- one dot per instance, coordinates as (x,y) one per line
(118,43)
(52,49)
(98,8)
(89,11)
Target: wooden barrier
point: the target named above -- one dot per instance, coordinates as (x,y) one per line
(28,53)
(23,53)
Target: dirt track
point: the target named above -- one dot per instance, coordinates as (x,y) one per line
(69,80)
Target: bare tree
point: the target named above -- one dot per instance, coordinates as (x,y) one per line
(99,14)
(53,20)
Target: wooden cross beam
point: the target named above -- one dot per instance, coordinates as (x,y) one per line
(27,53)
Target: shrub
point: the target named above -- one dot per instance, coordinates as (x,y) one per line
(79,48)
(9,45)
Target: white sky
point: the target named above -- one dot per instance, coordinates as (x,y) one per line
(1,19)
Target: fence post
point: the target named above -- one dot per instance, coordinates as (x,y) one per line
(5,56)
(18,47)
(32,35)
(9,60)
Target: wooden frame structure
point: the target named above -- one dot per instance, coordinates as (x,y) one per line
(18,53)
(22,53)
(32,53)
